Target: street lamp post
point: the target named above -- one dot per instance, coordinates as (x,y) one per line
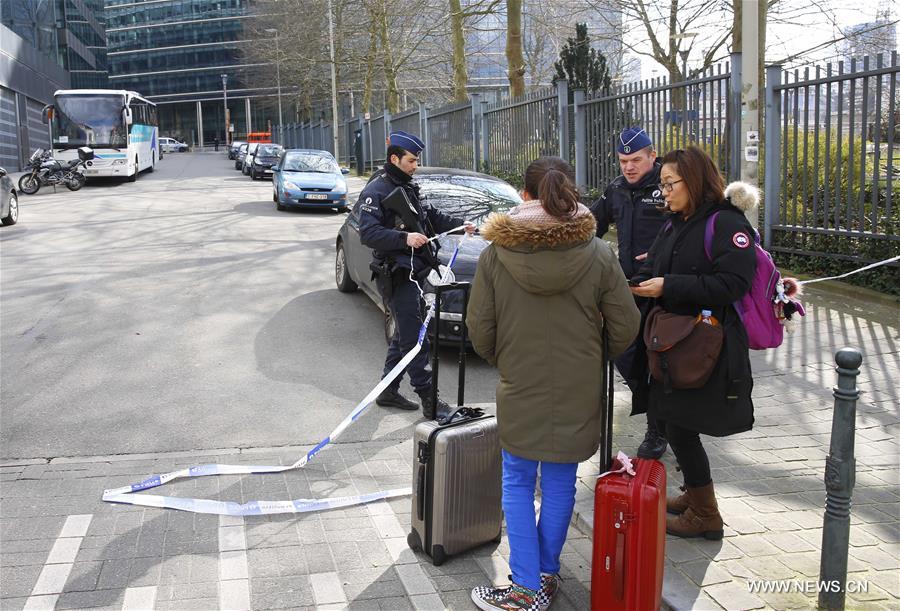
(225,104)
(334,104)
(278,81)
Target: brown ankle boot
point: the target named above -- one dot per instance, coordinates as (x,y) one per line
(680,503)
(701,518)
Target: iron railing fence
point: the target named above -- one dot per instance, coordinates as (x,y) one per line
(674,115)
(377,131)
(450,139)
(519,130)
(408,121)
(830,143)
(310,135)
(834,142)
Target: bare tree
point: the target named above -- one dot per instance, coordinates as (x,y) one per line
(515,60)
(458,19)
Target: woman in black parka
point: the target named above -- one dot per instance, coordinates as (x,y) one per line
(683,280)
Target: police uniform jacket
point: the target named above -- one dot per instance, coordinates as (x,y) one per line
(383,230)
(638,213)
(693,282)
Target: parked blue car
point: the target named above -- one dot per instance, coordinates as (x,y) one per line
(309,178)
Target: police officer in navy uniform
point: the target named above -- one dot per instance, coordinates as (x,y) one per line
(397,251)
(635,204)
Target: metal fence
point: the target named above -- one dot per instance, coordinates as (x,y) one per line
(833,139)
(449,139)
(307,135)
(518,131)
(830,149)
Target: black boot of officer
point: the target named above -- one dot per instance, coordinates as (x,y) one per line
(391,397)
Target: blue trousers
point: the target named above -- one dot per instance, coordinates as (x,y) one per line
(408,309)
(534,548)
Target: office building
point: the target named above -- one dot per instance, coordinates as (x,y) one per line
(175,52)
(45,45)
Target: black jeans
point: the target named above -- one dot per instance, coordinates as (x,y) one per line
(690,455)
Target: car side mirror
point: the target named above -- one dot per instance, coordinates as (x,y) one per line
(2,172)
(345,171)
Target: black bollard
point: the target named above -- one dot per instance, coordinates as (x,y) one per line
(840,477)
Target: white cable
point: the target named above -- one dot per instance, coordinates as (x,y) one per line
(855,271)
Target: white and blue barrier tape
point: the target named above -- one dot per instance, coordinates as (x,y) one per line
(126,494)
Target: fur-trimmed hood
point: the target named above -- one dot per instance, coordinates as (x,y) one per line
(743,196)
(544,258)
(508,232)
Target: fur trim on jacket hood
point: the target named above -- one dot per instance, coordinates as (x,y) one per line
(743,196)
(503,230)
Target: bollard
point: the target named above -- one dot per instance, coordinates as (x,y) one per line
(840,476)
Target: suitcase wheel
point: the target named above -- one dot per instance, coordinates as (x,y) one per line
(437,555)
(413,541)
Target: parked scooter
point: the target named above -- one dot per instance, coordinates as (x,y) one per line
(42,170)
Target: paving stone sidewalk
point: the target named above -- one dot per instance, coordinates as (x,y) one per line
(63,548)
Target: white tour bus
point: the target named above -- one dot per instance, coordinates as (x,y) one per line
(121,127)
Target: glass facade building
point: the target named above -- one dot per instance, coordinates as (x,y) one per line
(71,32)
(175,52)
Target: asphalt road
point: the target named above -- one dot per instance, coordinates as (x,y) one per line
(183,312)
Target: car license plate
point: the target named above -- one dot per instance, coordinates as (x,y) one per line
(317,196)
(90,171)
(267,171)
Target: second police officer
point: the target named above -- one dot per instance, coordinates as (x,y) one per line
(399,249)
(634,203)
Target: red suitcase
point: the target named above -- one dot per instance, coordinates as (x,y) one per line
(629,530)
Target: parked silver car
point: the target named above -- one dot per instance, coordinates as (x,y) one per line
(9,200)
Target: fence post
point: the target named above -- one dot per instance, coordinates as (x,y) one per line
(580,144)
(772,143)
(387,124)
(840,477)
(562,94)
(485,139)
(423,126)
(363,139)
(476,131)
(734,124)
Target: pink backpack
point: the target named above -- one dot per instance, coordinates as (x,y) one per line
(769,303)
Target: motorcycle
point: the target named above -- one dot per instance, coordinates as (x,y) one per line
(42,170)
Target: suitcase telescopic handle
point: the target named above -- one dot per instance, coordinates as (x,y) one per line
(606,403)
(435,343)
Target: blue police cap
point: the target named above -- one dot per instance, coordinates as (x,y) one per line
(407,141)
(632,140)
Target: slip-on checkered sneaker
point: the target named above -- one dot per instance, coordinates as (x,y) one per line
(509,598)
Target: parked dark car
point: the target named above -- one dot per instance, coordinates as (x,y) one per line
(465,194)
(309,178)
(239,156)
(9,200)
(233,148)
(266,156)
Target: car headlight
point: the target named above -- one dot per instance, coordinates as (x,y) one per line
(289,185)
(120,162)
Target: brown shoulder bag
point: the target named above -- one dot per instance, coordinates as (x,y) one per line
(682,351)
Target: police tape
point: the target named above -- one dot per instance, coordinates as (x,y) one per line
(126,494)
(850,273)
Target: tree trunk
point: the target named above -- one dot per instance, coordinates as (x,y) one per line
(515,62)
(460,73)
(390,70)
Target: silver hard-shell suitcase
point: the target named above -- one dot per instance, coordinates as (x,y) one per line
(456,474)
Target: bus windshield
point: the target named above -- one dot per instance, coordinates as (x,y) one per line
(89,120)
